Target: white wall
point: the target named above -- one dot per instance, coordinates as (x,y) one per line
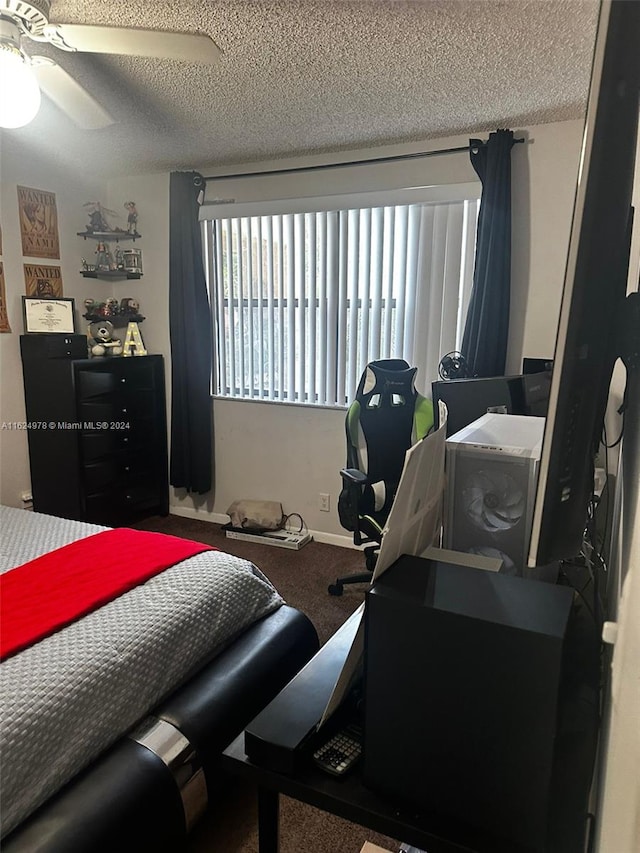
(151,194)
(19,166)
(543,189)
(276,451)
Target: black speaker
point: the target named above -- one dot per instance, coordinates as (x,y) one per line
(462,673)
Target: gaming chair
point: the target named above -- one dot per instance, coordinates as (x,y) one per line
(386,418)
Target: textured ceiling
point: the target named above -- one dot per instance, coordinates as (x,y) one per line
(310,77)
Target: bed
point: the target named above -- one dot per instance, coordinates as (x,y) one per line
(113,725)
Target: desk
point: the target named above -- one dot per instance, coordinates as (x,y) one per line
(345,797)
(349,799)
(290,770)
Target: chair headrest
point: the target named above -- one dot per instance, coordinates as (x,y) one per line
(386,377)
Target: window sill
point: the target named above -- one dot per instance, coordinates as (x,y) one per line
(308,406)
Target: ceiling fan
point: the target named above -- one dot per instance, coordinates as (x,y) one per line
(24,74)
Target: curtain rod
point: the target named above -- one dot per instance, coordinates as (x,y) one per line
(389,159)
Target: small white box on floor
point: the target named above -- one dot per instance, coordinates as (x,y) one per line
(281,538)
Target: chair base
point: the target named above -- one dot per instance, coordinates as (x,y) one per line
(337,588)
(370,557)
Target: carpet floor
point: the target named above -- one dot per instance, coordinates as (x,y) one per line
(301,577)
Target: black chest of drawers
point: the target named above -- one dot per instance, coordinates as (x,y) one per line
(97,432)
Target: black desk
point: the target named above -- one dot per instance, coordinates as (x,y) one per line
(346,797)
(349,799)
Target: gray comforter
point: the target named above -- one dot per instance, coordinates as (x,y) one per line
(70,696)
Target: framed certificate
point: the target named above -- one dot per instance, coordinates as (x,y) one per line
(48,316)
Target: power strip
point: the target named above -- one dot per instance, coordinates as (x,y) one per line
(280,538)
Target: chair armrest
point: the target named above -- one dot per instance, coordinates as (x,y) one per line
(353,482)
(354,477)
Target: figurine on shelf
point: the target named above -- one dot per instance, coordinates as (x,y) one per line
(104,259)
(113,309)
(132,261)
(119,259)
(105,309)
(129,306)
(93,309)
(132,218)
(98,223)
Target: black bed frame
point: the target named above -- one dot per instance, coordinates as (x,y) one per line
(128,799)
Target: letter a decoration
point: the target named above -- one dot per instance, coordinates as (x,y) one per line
(133,341)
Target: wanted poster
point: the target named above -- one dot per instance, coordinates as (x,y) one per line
(38,223)
(42,280)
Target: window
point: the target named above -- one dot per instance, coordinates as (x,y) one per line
(302,301)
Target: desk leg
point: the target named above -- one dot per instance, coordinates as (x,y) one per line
(268,821)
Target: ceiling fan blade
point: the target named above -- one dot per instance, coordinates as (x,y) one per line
(69,95)
(188,47)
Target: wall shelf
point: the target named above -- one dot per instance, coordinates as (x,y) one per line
(110,274)
(118,321)
(109,235)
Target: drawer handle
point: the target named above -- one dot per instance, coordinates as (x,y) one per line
(124,411)
(126,468)
(123,380)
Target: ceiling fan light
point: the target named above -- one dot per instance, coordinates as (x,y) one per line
(19,90)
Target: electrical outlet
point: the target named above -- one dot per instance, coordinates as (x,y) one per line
(324,502)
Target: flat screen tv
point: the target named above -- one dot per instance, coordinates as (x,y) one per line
(595,285)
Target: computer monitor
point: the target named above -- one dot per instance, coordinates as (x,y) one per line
(469,399)
(595,286)
(537,365)
(536,388)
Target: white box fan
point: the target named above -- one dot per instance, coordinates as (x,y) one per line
(492,468)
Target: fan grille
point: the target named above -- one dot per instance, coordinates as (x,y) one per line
(493,500)
(453,365)
(34,15)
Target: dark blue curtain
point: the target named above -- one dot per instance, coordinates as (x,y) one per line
(486,331)
(191,465)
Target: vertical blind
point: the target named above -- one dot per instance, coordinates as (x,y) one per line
(303,301)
